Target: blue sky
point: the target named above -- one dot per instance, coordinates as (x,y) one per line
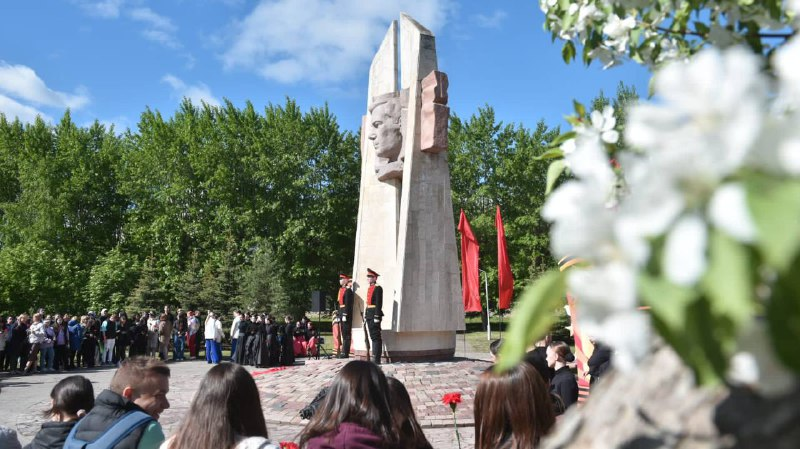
(108,60)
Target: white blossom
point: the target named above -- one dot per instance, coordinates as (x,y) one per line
(582,224)
(628,332)
(606,56)
(618,32)
(756,365)
(710,116)
(617,28)
(778,151)
(787,66)
(604,289)
(728,211)
(685,251)
(603,123)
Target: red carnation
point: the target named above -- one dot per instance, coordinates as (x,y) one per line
(451,399)
(289,445)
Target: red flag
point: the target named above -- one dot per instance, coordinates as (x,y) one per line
(505,278)
(470,280)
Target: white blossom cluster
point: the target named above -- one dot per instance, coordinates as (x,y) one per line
(640,29)
(717,114)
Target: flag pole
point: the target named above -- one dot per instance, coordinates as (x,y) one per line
(488,316)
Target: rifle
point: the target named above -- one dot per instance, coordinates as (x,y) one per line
(366,334)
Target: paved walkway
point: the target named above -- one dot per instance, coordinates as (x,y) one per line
(283,393)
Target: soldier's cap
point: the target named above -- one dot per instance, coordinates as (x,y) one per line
(344,276)
(371,272)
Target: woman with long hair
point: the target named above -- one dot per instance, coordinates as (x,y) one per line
(356,412)
(512,409)
(405,419)
(225,413)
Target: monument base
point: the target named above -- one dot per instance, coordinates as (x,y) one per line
(409,346)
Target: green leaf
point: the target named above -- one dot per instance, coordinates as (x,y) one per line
(562,138)
(686,322)
(783,315)
(568,52)
(666,300)
(728,281)
(533,317)
(552,153)
(701,28)
(554,171)
(573,120)
(775,207)
(580,109)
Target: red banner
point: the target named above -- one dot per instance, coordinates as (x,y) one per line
(505,279)
(470,280)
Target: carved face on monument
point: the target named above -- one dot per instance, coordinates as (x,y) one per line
(385,127)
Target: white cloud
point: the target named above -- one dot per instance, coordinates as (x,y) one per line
(108,9)
(13,109)
(323,41)
(21,82)
(158,28)
(493,20)
(197,93)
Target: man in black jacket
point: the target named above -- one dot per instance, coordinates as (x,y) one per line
(345,313)
(374,314)
(140,384)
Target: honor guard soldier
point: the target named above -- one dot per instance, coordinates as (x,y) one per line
(345,313)
(374,314)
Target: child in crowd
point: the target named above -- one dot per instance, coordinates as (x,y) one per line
(71,398)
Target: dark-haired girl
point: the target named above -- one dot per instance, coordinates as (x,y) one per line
(224,414)
(356,412)
(71,398)
(512,409)
(563,384)
(405,419)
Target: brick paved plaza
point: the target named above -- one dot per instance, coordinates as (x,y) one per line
(283,392)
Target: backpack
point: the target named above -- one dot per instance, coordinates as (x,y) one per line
(121,428)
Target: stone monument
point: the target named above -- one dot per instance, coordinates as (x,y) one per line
(406,230)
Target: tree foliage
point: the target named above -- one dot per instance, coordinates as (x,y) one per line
(171,211)
(495,164)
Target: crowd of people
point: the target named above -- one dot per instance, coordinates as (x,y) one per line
(62,342)
(262,341)
(361,409)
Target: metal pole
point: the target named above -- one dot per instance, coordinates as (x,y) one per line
(488,316)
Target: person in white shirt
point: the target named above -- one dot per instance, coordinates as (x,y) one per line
(36,337)
(237,318)
(213,334)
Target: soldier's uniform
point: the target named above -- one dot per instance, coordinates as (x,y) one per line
(373,315)
(345,315)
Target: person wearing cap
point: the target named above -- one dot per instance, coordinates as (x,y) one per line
(345,313)
(374,314)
